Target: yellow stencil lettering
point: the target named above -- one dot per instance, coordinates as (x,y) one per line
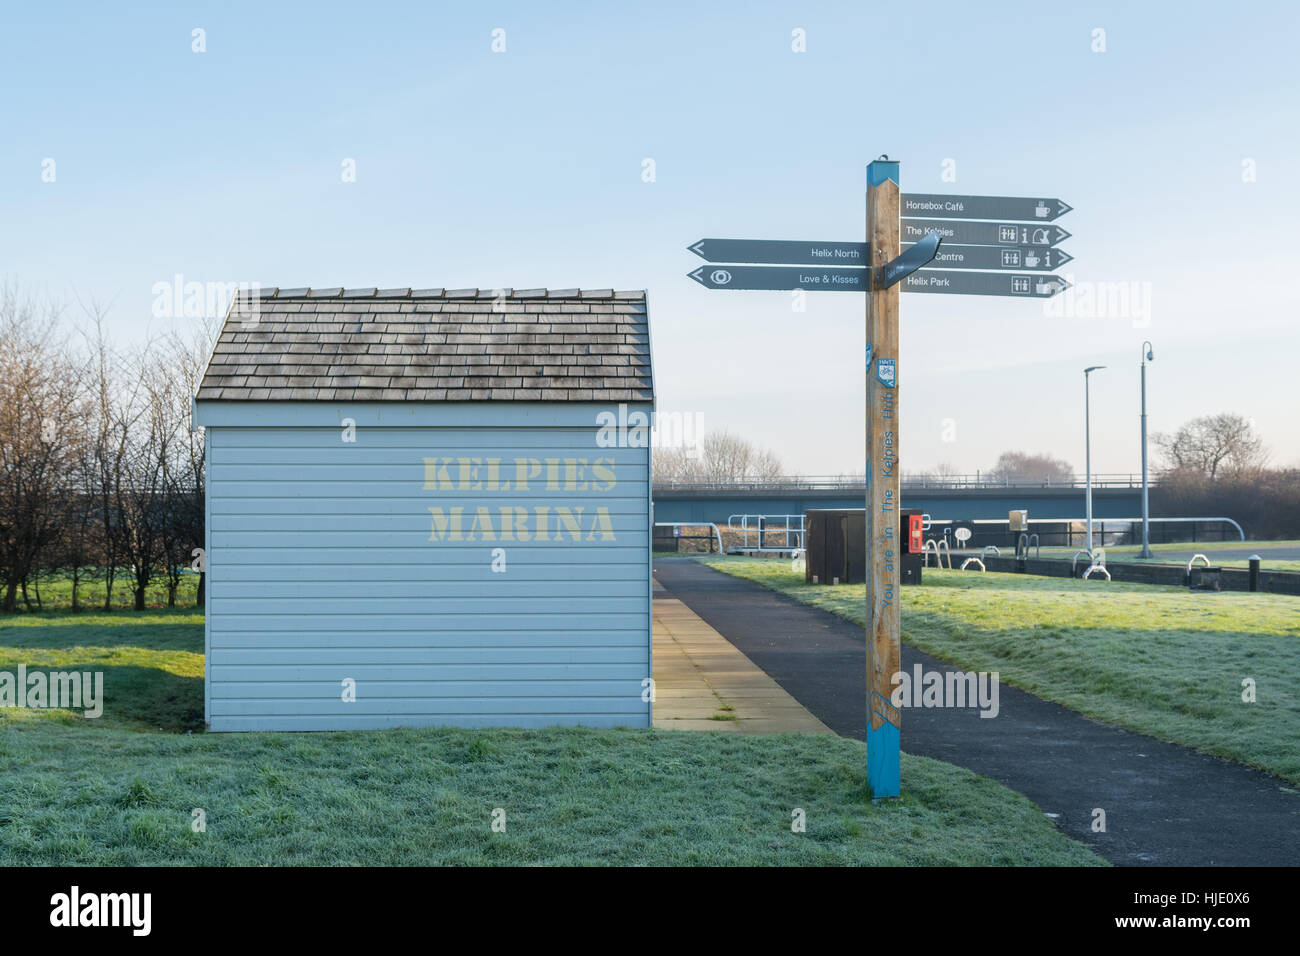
(442,524)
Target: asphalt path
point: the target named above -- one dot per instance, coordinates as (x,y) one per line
(1164,805)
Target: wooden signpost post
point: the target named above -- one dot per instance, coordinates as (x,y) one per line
(1013,255)
(883,719)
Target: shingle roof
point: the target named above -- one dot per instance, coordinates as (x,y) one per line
(433,345)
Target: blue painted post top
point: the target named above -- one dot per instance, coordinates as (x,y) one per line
(881,169)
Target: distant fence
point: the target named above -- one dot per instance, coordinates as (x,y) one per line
(1106,532)
(795,483)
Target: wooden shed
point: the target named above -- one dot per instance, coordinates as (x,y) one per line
(428,507)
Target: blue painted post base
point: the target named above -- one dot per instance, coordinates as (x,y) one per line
(883,778)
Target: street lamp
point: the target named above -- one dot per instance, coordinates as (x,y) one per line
(1087,451)
(1147,356)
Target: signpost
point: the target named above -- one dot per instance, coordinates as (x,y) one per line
(781,277)
(884,723)
(985,233)
(910,260)
(782,251)
(983,207)
(985,283)
(1016,252)
(1030,258)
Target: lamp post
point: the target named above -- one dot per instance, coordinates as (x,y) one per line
(1087,451)
(1147,356)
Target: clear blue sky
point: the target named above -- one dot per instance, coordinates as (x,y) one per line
(525,169)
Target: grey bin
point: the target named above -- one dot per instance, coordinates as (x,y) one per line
(1204,579)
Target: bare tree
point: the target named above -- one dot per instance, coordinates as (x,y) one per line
(40,411)
(1017,466)
(723,458)
(184,359)
(149,431)
(941,474)
(100,466)
(107,455)
(670,463)
(1215,446)
(727,457)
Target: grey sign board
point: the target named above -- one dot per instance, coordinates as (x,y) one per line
(783,251)
(1016,285)
(983,207)
(1030,258)
(809,278)
(983,233)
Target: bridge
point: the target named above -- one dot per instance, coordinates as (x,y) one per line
(949,497)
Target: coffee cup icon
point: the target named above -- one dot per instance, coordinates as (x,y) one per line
(1032,259)
(1041,210)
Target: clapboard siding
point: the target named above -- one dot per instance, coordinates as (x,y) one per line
(503,654)
(597,637)
(325,563)
(524,571)
(259,588)
(283,558)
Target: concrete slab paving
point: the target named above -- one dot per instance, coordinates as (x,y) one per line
(703,682)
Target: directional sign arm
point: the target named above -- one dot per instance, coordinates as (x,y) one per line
(911,260)
(791,252)
(985,233)
(983,207)
(779,278)
(952,282)
(1018,258)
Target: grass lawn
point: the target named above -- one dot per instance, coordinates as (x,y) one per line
(152,662)
(55,591)
(76,795)
(1164,553)
(1163,661)
(116,790)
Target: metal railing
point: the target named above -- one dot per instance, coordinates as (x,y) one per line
(1066,532)
(717,534)
(853,482)
(790,526)
(932,546)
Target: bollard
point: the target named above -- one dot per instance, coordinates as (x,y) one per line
(1254,572)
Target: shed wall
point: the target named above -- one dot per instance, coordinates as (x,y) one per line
(326,563)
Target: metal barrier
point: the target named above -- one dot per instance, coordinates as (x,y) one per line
(1024,543)
(757,525)
(1096,562)
(1075,528)
(932,545)
(854,482)
(693,524)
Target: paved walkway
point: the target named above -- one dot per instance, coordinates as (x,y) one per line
(1165,804)
(702,682)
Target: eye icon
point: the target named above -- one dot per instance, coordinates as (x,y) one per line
(720,276)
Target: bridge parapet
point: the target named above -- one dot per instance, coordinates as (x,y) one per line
(850,483)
